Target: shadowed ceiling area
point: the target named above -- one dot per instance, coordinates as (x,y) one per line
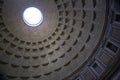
(72,43)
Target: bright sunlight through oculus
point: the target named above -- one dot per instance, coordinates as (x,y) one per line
(32,17)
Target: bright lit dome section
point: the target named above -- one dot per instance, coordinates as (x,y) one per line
(32,17)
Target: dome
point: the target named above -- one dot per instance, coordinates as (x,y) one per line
(59,39)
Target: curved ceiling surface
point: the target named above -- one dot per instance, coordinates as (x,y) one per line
(65,41)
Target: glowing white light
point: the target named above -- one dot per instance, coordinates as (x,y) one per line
(32,17)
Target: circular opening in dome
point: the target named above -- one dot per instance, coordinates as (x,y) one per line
(32,17)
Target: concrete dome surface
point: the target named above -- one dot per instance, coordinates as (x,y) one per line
(75,41)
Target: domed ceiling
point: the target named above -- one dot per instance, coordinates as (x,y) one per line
(65,41)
